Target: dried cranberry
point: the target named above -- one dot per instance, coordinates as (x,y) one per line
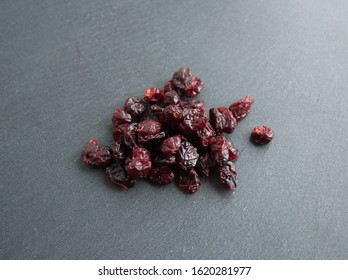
(169,86)
(192,104)
(171,145)
(161,175)
(192,120)
(171,97)
(121,117)
(191,85)
(150,130)
(130,135)
(118,151)
(222,150)
(222,120)
(187,155)
(135,106)
(189,181)
(228,175)
(96,155)
(153,95)
(194,87)
(117,175)
(172,114)
(242,107)
(140,163)
(204,135)
(203,165)
(262,135)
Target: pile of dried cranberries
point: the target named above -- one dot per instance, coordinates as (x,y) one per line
(163,136)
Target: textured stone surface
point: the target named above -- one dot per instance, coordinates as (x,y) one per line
(65,66)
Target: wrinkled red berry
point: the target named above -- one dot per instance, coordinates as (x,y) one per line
(189,181)
(153,95)
(171,145)
(140,163)
(191,85)
(203,165)
(161,175)
(242,107)
(171,97)
(117,175)
(130,135)
(164,161)
(135,106)
(194,87)
(204,134)
(222,120)
(121,117)
(118,151)
(262,135)
(187,155)
(96,155)
(149,130)
(228,175)
(169,86)
(119,132)
(222,150)
(192,120)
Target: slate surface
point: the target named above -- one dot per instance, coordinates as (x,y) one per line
(66,65)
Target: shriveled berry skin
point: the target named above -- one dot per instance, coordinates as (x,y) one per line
(119,132)
(242,107)
(192,120)
(191,104)
(262,135)
(222,150)
(203,165)
(153,95)
(96,155)
(183,80)
(149,130)
(222,120)
(194,87)
(120,117)
(228,175)
(189,181)
(172,114)
(130,135)
(171,145)
(187,155)
(118,151)
(169,86)
(140,163)
(204,134)
(161,175)
(118,175)
(171,97)
(135,106)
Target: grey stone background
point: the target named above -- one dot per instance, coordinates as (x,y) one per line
(66,65)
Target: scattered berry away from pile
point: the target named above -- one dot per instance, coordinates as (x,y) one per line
(163,137)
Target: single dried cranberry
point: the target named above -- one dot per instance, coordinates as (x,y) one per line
(164,160)
(130,135)
(135,106)
(171,97)
(222,150)
(121,117)
(192,120)
(194,87)
(118,151)
(161,175)
(262,135)
(242,107)
(192,104)
(140,163)
(169,86)
(222,120)
(153,95)
(172,114)
(228,175)
(204,134)
(203,165)
(171,145)
(189,181)
(119,132)
(96,155)
(149,130)
(187,155)
(182,77)
(117,175)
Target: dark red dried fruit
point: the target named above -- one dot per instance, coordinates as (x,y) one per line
(192,104)
(118,175)
(183,79)
(140,163)
(171,97)
(169,86)
(135,106)
(119,132)
(187,155)
(204,134)
(171,145)
(222,150)
(189,181)
(153,95)
(149,130)
(118,151)
(192,120)
(161,175)
(96,155)
(130,135)
(262,135)
(164,161)
(120,117)
(203,165)
(228,175)
(194,87)
(172,114)
(222,120)
(242,107)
